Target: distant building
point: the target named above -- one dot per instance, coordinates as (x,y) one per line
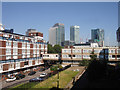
(86,45)
(118,31)
(118,36)
(119,14)
(69,43)
(97,36)
(74,34)
(57,34)
(1,27)
(34,33)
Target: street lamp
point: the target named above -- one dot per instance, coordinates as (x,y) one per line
(59,58)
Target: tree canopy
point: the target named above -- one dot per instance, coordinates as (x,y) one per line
(54,49)
(93,56)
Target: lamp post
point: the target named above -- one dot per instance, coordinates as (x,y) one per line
(58,78)
(59,58)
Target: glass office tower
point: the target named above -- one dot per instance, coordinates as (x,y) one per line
(97,36)
(118,31)
(57,34)
(74,34)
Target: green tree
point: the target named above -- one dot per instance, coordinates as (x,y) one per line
(84,62)
(96,70)
(50,49)
(57,48)
(93,56)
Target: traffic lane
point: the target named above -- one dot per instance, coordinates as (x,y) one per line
(26,79)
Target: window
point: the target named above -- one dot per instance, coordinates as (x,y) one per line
(86,56)
(113,56)
(78,56)
(8,51)
(96,51)
(26,63)
(17,64)
(15,51)
(73,55)
(87,51)
(101,56)
(64,51)
(69,55)
(40,55)
(118,56)
(65,56)
(118,51)
(28,45)
(23,44)
(8,43)
(106,51)
(15,44)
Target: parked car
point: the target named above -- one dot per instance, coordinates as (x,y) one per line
(19,76)
(15,73)
(42,69)
(11,79)
(9,75)
(37,79)
(32,73)
(43,74)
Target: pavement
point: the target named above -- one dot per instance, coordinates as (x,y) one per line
(24,80)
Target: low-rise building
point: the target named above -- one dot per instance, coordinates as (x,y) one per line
(51,57)
(76,54)
(20,51)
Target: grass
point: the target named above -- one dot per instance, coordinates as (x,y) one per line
(64,78)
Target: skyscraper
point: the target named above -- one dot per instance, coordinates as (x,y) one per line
(74,34)
(0,12)
(97,36)
(118,36)
(118,31)
(57,34)
(119,14)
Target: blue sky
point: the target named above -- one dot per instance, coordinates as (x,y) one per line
(42,15)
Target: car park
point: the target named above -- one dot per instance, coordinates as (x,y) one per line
(32,73)
(11,79)
(43,74)
(37,79)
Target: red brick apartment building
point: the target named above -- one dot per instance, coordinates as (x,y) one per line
(21,51)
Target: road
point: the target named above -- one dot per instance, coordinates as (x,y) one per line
(24,80)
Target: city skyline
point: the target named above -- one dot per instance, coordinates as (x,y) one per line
(87,15)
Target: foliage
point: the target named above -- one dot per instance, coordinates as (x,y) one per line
(55,49)
(50,49)
(84,62)
(97,69)
(55,67)
(93,56)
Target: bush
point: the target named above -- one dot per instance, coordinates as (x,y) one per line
(55,68)
(84,63)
